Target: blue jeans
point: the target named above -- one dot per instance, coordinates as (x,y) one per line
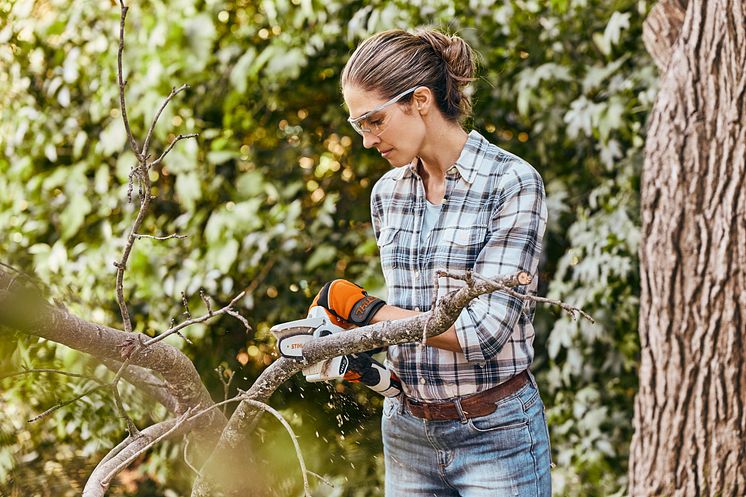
(505,453)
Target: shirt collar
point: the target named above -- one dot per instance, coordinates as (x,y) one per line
(467,165)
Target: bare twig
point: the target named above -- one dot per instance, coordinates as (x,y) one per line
(243,320)
(521,278)
(321,478)
(55,371)
(131,428)
(226,384)
(570,309)
(185,303)
(134,174)
(121,265)
(168,237)
(186,453)
(140,171)
(171,145)
(206,300)
(101,384)
(174,92)
(228,309)
(293,437)
(123,83)
(66,403)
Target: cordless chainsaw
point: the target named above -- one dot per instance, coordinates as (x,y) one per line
(361,367)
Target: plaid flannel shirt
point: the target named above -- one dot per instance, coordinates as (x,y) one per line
(492,221)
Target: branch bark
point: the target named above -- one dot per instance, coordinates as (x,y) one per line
(24,309)
(146,382)
(119,457)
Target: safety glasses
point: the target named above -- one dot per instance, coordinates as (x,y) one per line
(369,122)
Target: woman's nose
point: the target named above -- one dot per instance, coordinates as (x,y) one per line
(370,140)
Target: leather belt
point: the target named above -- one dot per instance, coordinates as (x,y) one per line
(472,406)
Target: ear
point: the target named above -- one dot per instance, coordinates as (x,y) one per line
(423,100)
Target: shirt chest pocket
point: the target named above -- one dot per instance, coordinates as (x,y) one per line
(388,241)
(459,247)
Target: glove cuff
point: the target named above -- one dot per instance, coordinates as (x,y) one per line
(364,310)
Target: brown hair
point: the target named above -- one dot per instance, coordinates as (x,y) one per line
(393,61)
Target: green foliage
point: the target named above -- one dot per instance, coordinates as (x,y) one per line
(274,196)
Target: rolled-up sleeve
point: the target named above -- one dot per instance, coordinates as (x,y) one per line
(376,211)
(513,244)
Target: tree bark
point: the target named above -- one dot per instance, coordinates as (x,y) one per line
(24,309)
(689,413)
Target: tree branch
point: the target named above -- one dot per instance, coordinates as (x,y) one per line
(23,308)
(228,309)
(123,83)
(172,145)
(125,452)
(167,237)
(55,371)
(174,92)
(147,382)
(66,403)
(132,447)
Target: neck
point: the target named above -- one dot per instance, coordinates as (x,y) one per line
(441,150)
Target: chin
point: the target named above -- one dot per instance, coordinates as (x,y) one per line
(396,162)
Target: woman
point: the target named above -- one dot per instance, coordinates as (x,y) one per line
(470,421)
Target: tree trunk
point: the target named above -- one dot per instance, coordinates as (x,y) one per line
(690,425)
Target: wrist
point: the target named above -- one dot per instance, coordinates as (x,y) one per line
(363,312)
(381,314)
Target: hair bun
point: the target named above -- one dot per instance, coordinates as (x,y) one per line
(459,64)
(454,51)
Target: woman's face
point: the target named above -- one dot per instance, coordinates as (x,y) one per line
(401,131)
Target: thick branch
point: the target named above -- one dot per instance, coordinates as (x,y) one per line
(23,309)
(101,477)
(146,382)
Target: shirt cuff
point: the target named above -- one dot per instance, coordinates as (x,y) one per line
(466,333)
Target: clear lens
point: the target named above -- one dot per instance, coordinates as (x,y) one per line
(356,126)
(370,122)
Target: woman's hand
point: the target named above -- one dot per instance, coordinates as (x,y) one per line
(347,304)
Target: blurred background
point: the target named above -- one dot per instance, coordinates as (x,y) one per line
(273,196)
